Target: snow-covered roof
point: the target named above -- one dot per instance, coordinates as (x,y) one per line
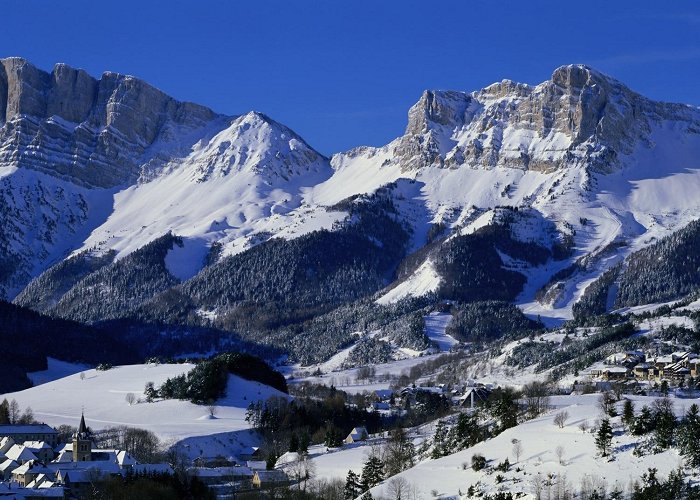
(63,457)
(256,464)
(220,471)
(20,453)
(34,467)
(37,445)
(8,464)
(271,475)
(358,433)
(12,430)
(615,369)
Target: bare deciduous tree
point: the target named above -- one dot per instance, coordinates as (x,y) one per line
(302,470)
(560,419)
(517,449)
(537,483)
(213,410)
(536,397)
(14,412)
(560,454)
(130,398)
(398,487)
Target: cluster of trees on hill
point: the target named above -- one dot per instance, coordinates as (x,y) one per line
(207,381)
(667,270)
(44,292)
(485,321)
(121,286)
(572,356)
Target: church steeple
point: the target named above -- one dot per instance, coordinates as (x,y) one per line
(82,442)
(82,428)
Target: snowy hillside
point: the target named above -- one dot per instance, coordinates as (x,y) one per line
(451,476)
(102,396)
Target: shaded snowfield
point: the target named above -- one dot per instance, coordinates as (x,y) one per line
(56,369)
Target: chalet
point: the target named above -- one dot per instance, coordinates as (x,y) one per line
(6,469)
(384,395)
(252,453)
(40,449)
(356,435)
(627,358)
(614,373)
(26,473)
(472,396)
(220,475)
(641,370)
(694,366)
(20,454)
(269,478)
(30,432)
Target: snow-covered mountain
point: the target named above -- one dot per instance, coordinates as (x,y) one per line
(595,171)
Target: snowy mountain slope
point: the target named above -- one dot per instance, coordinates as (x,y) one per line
(68,143)
(595,171)
(602,163)
(112,164)
(249,178)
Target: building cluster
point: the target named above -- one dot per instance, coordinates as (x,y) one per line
(637,365)
(35,464)
(225,477)
(395,402)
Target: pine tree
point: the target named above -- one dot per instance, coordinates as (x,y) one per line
(603,440)
(372,472)
(644,422)
(399,452)
(664,423)
(628,413)
(4,412)
(353,487)
(304,442)
(689,436)
(367,496)
(439,440)
(294,443)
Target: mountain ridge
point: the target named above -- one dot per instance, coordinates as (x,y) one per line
(578,169)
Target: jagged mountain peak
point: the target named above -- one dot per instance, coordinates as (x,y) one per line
(579,116)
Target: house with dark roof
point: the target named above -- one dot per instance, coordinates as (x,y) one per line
(30,432)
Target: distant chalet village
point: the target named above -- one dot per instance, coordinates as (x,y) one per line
(38,462)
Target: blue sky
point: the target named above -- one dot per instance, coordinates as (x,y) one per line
(343,74)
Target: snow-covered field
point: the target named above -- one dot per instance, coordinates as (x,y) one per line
(102,396)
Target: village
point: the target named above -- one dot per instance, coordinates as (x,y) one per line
(641,369)
(36,464)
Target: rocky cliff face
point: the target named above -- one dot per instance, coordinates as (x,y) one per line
(97,133)
(578,116)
